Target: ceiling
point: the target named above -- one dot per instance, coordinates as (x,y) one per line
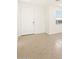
(40,2)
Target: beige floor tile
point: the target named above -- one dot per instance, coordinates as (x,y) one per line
(41,46)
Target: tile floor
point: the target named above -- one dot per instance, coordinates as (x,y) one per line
(41,46)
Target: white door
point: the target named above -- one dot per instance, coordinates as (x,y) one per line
(39,20)
(27,21)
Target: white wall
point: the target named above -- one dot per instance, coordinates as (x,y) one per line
(44,18)
(19,20)
(53,27)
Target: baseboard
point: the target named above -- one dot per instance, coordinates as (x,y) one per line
(40,33)
(54,33)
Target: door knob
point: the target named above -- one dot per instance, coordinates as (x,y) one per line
(33,22)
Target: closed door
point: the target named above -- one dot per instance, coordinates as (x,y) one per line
(32,19)
(27,21)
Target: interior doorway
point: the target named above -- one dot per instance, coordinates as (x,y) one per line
(31,19)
